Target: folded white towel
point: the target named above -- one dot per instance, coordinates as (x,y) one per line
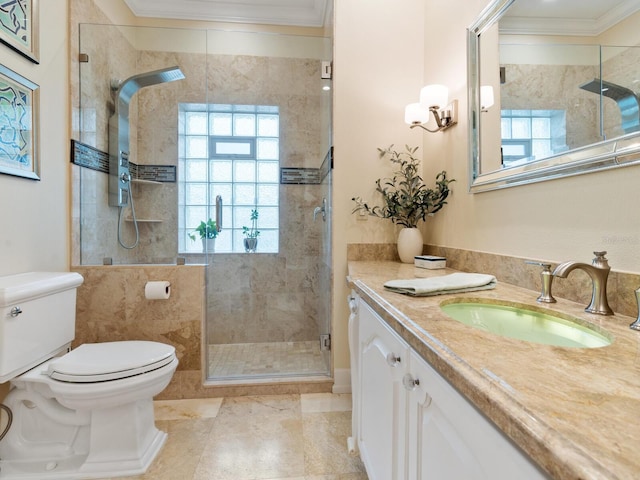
(452,283)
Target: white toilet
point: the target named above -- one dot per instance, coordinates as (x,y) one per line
(83,414)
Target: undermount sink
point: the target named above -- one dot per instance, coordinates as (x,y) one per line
(526,323)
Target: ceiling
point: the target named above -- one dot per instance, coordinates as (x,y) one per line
(566,17)
(303,13)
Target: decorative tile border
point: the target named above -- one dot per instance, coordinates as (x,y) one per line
(307,176)
(156,173)
(89,157)
(300,176)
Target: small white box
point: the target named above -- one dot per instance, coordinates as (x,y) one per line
(430,262)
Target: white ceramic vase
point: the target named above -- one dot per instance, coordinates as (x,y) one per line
(409,244)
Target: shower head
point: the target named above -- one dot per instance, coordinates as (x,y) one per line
(628,102)
(126,89)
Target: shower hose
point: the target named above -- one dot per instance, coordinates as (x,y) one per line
(135,223)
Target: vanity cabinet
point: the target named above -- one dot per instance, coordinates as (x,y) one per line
(413,424)
(382,406)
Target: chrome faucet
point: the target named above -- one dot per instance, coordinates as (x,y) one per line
(636,325)
(599,273)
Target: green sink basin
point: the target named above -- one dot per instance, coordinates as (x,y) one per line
(526,323)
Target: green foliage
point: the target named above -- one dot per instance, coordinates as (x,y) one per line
(252,232)
(405,196)
(205,230)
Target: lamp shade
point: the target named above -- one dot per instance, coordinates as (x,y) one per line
(415,113)
(435,96)
(486,97)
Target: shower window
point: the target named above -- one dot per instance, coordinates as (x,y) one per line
(232,151)
(531,134)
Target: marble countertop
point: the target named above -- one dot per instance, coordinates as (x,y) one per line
(574,411)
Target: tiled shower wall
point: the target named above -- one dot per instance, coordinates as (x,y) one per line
(533,86)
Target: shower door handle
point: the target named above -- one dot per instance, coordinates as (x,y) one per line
(322,209)
(219,213)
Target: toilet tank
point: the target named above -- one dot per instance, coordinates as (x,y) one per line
(37,319)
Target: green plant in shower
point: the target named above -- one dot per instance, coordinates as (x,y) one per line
(207,229)
(252,232)
(406,198)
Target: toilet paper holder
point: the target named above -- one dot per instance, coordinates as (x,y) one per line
(157,290)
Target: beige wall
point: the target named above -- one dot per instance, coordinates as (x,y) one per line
(34,215)
(378,69)
(558,220)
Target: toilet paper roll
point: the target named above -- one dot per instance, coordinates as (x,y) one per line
(157,290)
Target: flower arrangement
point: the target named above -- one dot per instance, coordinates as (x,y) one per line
(207,229)
(406,198)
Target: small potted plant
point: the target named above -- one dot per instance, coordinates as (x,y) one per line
(406,199)
(251,233)
(208,231)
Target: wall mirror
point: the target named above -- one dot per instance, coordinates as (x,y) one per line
(561,104)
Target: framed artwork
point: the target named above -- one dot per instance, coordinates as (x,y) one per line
(19,27)
(18,125)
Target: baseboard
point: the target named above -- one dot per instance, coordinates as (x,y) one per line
(341,380)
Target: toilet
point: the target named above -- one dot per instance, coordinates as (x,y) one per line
(76,414)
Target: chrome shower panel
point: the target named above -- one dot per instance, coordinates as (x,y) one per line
(119,176)
(627,101)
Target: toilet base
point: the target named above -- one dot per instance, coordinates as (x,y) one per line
(76,468)
(48,441)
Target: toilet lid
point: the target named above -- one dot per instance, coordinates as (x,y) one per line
(99,362)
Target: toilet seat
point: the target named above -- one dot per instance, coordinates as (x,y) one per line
(103,362)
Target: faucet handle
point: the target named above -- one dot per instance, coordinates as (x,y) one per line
(636,325)
(546,278)
(600,261)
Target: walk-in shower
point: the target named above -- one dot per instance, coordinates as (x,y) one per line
(119,175)
(244,317)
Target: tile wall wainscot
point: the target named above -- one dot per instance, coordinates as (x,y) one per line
(111,306)
(513,270)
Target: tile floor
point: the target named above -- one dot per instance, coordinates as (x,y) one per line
(275,437)
(265,359)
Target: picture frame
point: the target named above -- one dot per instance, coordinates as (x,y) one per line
(19,27)
(19,127)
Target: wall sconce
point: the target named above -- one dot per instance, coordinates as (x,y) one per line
(432,98)
(486,98)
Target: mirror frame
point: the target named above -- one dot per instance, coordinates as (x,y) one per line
(617,152)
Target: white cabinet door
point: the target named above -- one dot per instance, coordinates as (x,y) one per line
(382,398)
(353,299)
(450,439)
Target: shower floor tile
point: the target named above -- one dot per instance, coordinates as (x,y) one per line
(266,359)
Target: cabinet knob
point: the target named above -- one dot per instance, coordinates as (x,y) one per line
(409,382)
(393,360)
